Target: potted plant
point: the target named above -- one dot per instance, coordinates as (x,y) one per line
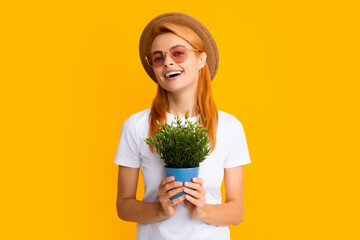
(181,147)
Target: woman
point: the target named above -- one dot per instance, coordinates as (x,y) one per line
(181,57)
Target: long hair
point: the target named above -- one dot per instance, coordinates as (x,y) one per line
(205,105)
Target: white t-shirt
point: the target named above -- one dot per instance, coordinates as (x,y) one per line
(230,151)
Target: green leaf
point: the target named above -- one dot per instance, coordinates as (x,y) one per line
(181,145)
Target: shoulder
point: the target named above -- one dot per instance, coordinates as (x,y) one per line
(229,126)
(137,118)
(229,120)
(137,123)
(141,116)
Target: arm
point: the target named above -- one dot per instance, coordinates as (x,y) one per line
(130,209)
(232,211)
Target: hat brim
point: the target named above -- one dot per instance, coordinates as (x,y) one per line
(188,21)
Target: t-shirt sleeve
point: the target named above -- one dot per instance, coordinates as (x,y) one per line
(238,153)
(127,153)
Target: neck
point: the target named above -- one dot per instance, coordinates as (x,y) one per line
(180,103)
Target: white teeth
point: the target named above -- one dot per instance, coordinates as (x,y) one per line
(170,73)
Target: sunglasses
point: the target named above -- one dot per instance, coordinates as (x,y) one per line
(178,53)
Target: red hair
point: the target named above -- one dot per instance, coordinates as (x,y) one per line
(204,101)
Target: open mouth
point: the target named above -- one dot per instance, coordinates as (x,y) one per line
(172,75)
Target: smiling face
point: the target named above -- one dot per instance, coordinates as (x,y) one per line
(189,69)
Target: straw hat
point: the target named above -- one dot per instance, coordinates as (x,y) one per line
(188,21)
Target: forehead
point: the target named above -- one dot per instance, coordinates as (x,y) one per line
(165,41)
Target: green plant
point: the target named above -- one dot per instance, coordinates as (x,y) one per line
(181,146)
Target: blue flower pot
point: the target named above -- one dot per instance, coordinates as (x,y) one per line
(182,175)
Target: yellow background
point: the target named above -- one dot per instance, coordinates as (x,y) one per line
(71,74)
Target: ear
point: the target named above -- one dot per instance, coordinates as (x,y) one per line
(202,60)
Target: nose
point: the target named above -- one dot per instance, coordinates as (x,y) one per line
(168,60)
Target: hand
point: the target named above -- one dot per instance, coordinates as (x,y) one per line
(168,206)
(195,205)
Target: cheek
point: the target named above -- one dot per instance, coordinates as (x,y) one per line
(191,70)
(157,73)
(192,66)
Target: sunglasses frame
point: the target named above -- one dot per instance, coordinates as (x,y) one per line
(164,53)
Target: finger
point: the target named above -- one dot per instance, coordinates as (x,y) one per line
(172,185)
(172,193)
(193,193)
(163,183)
(165,197)
(196,186)
(177,200)
(169,186)
(195,201)
(198,180)
(166,180)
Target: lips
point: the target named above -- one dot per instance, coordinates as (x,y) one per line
(171,74)
(173,77)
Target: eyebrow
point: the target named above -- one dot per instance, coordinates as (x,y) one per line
(169,48)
